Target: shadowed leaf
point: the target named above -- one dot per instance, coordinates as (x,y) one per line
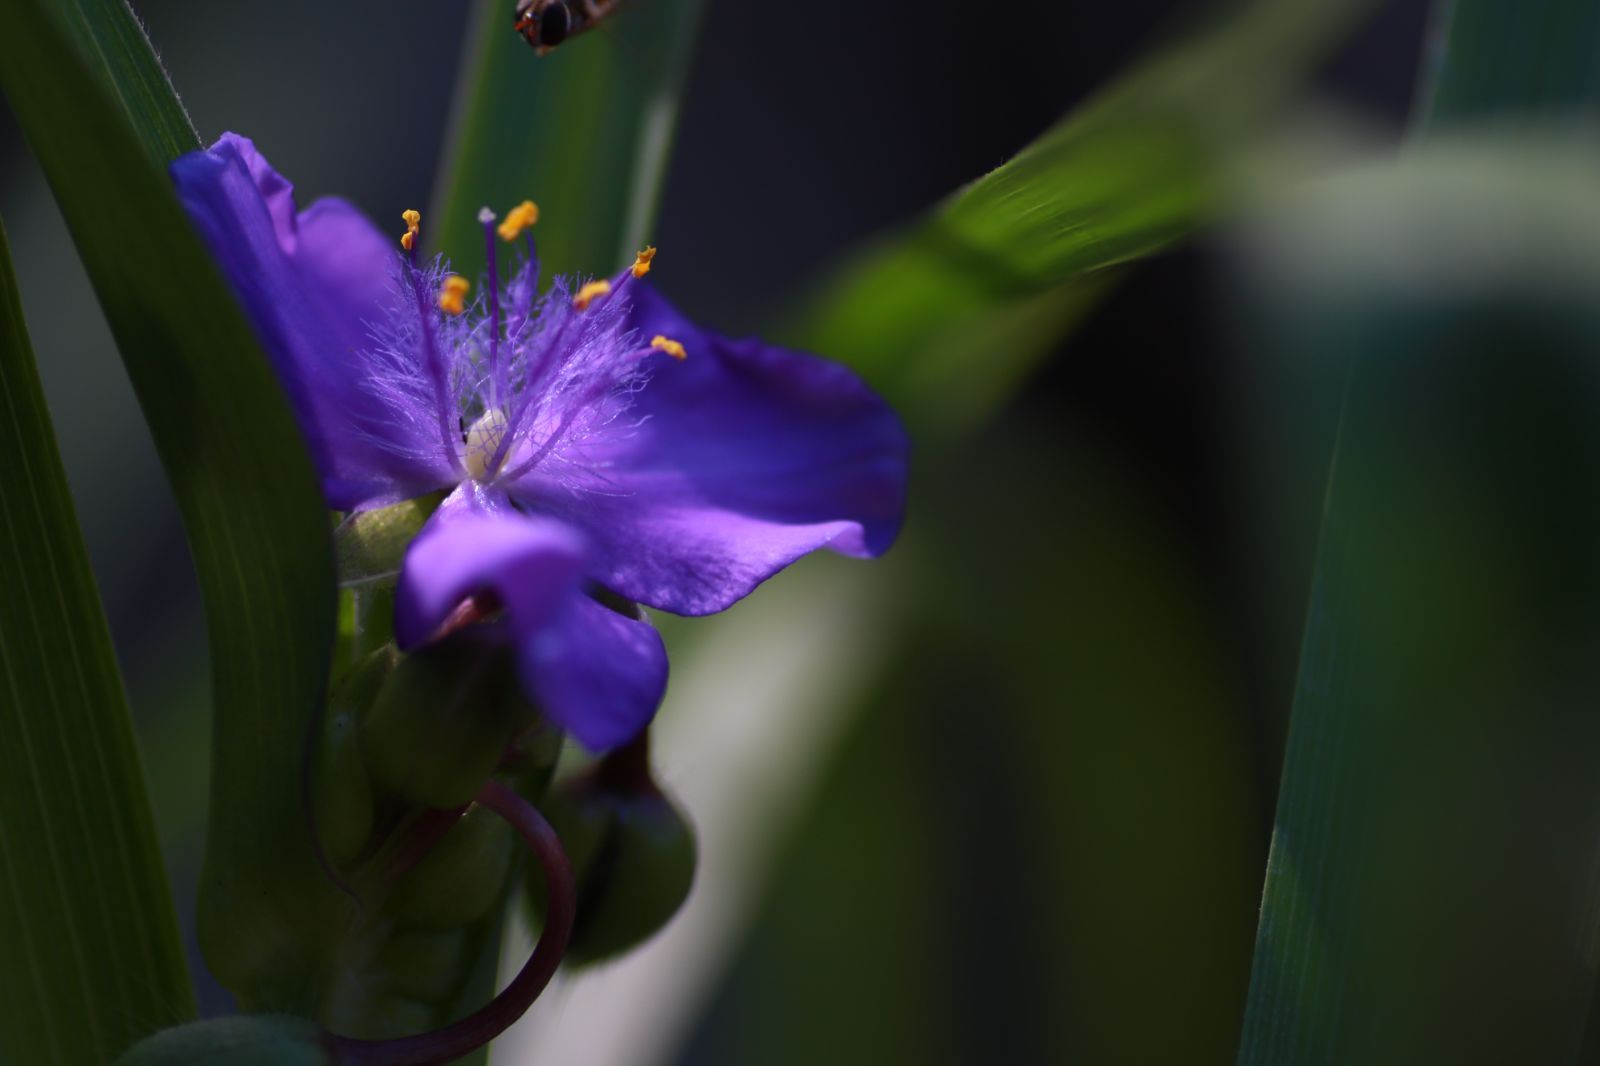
(249,499)
(92,960)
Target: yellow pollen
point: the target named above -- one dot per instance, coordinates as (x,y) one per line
(413,221)
(483,440)
(518,219)
(670,346)
(589,293)
(452,294)
(641,264)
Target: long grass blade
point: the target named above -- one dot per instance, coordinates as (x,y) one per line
(243,481)
(92,960)
(585,131)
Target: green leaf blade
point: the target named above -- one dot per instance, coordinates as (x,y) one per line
(248,495)
(585,131)
(1137,168)
(94,960)
(1429,896)
(1502,60)
(114,46)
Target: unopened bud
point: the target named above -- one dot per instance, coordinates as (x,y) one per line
(632,854)
(459,879)
(341,796)
(444,720)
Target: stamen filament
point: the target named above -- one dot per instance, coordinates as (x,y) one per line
(519,411)
(497,381)
(438,373)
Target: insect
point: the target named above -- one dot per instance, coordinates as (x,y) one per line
(546,23)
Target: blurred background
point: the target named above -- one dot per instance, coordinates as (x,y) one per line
(1005,795)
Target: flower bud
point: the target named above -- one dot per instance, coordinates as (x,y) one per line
(370,545)
(632,854)
(243,1040)
(341,796)
(442,722)
(459,879)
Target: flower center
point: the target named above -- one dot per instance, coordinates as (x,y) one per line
(483,441)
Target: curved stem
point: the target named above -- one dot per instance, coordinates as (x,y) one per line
(475,1030)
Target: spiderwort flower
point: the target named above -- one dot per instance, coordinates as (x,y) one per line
(597,446)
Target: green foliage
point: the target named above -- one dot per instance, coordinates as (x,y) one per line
(92,959)
(1535,57)
(585,131)
(1429,894)
(248,496)
(1408,915)
(947,315)
(114,48)
(1036,842)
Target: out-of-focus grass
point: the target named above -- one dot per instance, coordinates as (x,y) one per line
(1037,841)
(234,455)
(1428,898)
(586,131)
(946,317)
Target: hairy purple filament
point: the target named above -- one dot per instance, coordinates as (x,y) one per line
(477,1029)
(437,371)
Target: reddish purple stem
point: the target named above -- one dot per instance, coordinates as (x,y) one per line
(475,1030)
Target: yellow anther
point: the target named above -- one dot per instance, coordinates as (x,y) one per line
(413,221)
(641,263)
(452,294)
(518,219)
(589,293)
(670,346)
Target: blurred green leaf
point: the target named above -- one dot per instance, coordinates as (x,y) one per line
(1430,892)
(92,960)
(1497,59)
(113,46)
(248,496)
(585,131)
(1136,168)
(1412,913)
(1036,843)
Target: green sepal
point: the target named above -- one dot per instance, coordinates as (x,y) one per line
(243,1040)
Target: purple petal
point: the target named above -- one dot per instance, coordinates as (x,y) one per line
(597,673)
(312,285)
(744,457)
(477,542)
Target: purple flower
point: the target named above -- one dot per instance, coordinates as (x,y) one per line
(599,449)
